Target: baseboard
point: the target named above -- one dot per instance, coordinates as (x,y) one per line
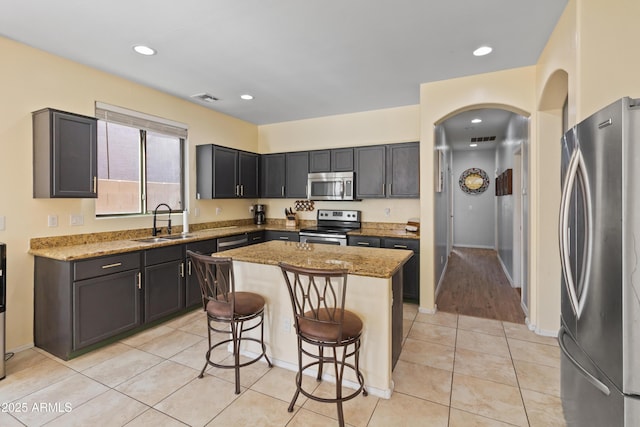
(21,348)
(538,331)
(444,270)
(428,310)
(474,246)
(524,308)
(505,271)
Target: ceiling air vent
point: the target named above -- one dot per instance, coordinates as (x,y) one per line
(483,138)
(205,97)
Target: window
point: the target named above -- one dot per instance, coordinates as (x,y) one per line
(140,163)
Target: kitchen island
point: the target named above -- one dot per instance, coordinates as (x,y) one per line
(374,292)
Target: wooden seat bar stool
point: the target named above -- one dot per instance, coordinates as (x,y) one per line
(240,311)
(327,333)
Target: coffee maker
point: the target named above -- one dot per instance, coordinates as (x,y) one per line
(259,214)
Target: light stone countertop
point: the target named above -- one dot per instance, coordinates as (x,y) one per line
(371,262)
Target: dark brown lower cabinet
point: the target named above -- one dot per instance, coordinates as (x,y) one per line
(164,278)
(193,295)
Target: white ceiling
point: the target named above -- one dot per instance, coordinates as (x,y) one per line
(299,58)
(459,129)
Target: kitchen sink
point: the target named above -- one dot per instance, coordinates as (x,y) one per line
(151,240)
(177,236)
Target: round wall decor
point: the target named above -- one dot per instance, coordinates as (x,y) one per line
(474,181)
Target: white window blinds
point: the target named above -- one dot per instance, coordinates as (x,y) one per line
(123,116)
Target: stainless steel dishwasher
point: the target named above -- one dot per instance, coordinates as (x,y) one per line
(232,242)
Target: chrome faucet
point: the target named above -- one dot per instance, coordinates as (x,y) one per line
(155,230)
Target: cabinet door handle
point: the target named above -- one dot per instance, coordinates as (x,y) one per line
(364,243)
(189,268)
(115,264)
(182,269)
(95,184)
(242,189)
(139,280)
(389,190)
(237,190)
(282,191)
(400,246)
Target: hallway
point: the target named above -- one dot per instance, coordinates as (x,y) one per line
(474,284)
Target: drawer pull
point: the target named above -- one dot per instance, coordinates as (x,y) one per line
(284,238)
(400,246)
(256,238)
(115,264)
(364,243)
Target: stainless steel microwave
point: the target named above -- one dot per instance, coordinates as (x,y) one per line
(330,186)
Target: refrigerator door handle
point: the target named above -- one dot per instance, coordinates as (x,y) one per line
(593,380)
(576,169)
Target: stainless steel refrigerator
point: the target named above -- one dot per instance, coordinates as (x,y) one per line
(600,256)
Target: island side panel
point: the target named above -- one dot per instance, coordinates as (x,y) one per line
(369,297)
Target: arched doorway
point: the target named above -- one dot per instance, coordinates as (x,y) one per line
(495,141)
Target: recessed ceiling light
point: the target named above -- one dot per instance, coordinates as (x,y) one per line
(473,145)
(482,51)
(144,50)
(246,96)
(476,121)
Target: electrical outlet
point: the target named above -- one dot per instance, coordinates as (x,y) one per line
(218,210)
(285,324)
(196,212)
(387,211)
(52,220)
(76,219)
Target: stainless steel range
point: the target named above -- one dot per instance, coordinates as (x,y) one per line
(332,227)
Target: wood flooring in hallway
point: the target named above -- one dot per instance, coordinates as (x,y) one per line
(474,284)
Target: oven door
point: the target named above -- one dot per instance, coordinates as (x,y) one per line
(323,239)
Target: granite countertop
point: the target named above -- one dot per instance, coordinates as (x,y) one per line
(371,262)
(385,232)
(124,242)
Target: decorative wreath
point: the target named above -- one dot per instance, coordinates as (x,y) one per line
(474,181)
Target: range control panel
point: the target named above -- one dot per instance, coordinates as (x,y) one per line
(331,215)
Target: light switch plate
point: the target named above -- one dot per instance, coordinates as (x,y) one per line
(76,219)
(52,220)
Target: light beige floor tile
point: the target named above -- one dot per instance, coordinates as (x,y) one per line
(153,418)
(196,327)
(522,332)
(458,418)
(543,410)
(158,382)
(199,401)
(170,344)
(536,353)
(108,409)
(357,411)
(97,356)
(439,318)
(541,378)
(422,381)
(146,336)
(185,319)
(409,311)
(64,396)
(489,399)
(6,420)
(195,356)
(486,366)
(281,384)
(26,381)
(248,374)
(481,342)
(477,324)
(429,354)
(25,359)
(120,368)
(253,409)
(433,333)
(408,411)
(305,418)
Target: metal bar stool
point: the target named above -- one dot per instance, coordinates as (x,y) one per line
(223,304)
(322,323)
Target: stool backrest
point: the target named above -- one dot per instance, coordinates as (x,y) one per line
(317,295)
(215,277)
